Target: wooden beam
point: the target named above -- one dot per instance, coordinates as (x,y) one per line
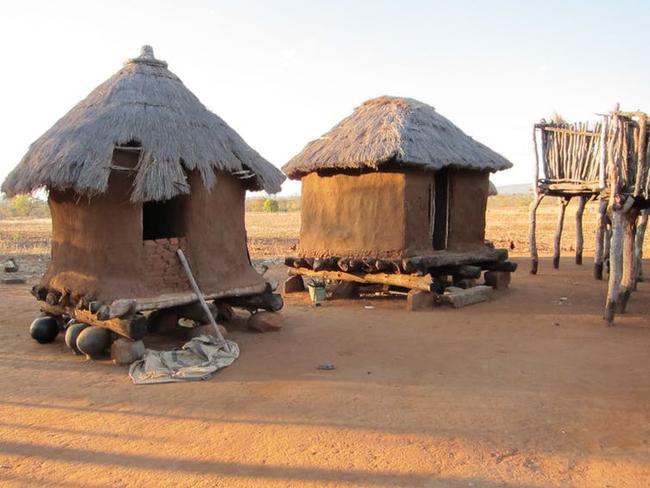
(439,259)
(403,280)
(558,231)
(199,294)
(177,299)
(628,277)
(615,266)
(599,253)
(133,327)
(532,239)
(579,233)
(638,246)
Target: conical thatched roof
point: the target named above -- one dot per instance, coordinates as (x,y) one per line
(146,104)
(492,191)
(395,131)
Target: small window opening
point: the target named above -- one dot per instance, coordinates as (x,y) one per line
(440,209)
(163,219)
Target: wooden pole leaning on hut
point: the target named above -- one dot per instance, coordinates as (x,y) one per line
(638,245)
(564,201)
(579,234)
(199,294)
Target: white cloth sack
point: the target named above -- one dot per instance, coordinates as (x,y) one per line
(198,359)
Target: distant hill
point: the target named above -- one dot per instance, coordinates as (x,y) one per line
(514,189)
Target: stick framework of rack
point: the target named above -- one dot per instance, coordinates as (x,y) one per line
(606,162)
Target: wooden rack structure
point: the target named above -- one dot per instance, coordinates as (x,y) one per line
(610,163)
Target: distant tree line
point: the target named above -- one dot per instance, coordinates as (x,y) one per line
(23,206)
(273,204)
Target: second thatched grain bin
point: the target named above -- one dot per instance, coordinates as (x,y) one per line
(393,186)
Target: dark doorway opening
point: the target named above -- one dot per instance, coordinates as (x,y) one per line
(163,219)
(440,209)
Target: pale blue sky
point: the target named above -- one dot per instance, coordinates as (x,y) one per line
(282,73)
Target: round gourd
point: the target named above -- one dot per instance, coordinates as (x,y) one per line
(94,342)
(44,329)
(72,334)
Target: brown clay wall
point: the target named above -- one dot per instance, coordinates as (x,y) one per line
(97,242)
(98,250)
(353,215)
(418,213)
(216,235)
(468,192)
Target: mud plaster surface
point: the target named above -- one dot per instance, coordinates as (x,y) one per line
(386,215)
(97,246)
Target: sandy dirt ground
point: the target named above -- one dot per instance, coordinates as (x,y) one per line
(530,389)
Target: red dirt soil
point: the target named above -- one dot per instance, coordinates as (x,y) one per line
(527,390)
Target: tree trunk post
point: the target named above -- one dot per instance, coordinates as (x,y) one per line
(564,201)
(616,265)
(531,232)
(638,246)
(629,262)
(579,234)
(601,227)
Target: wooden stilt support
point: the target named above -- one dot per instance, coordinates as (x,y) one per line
(628,277)
(579,235)
(638,246)
(616,265)
(599,253)
(564,201)
(607,246)
(531,232)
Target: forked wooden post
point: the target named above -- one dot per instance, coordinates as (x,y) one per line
(564,201)
(532,241)
(616,242)
(628,277)
(601,226)
(638,246)
(579,235)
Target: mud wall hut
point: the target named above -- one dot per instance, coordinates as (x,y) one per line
(395,179)
(136,170)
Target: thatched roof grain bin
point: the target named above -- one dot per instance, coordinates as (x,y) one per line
(136,170)
(393,180)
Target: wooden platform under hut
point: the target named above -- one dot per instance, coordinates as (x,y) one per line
(432,274)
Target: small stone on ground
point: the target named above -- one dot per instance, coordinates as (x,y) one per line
(12,280)
(207,329)
(265,321)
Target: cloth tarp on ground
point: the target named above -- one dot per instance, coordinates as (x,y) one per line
(198,359)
